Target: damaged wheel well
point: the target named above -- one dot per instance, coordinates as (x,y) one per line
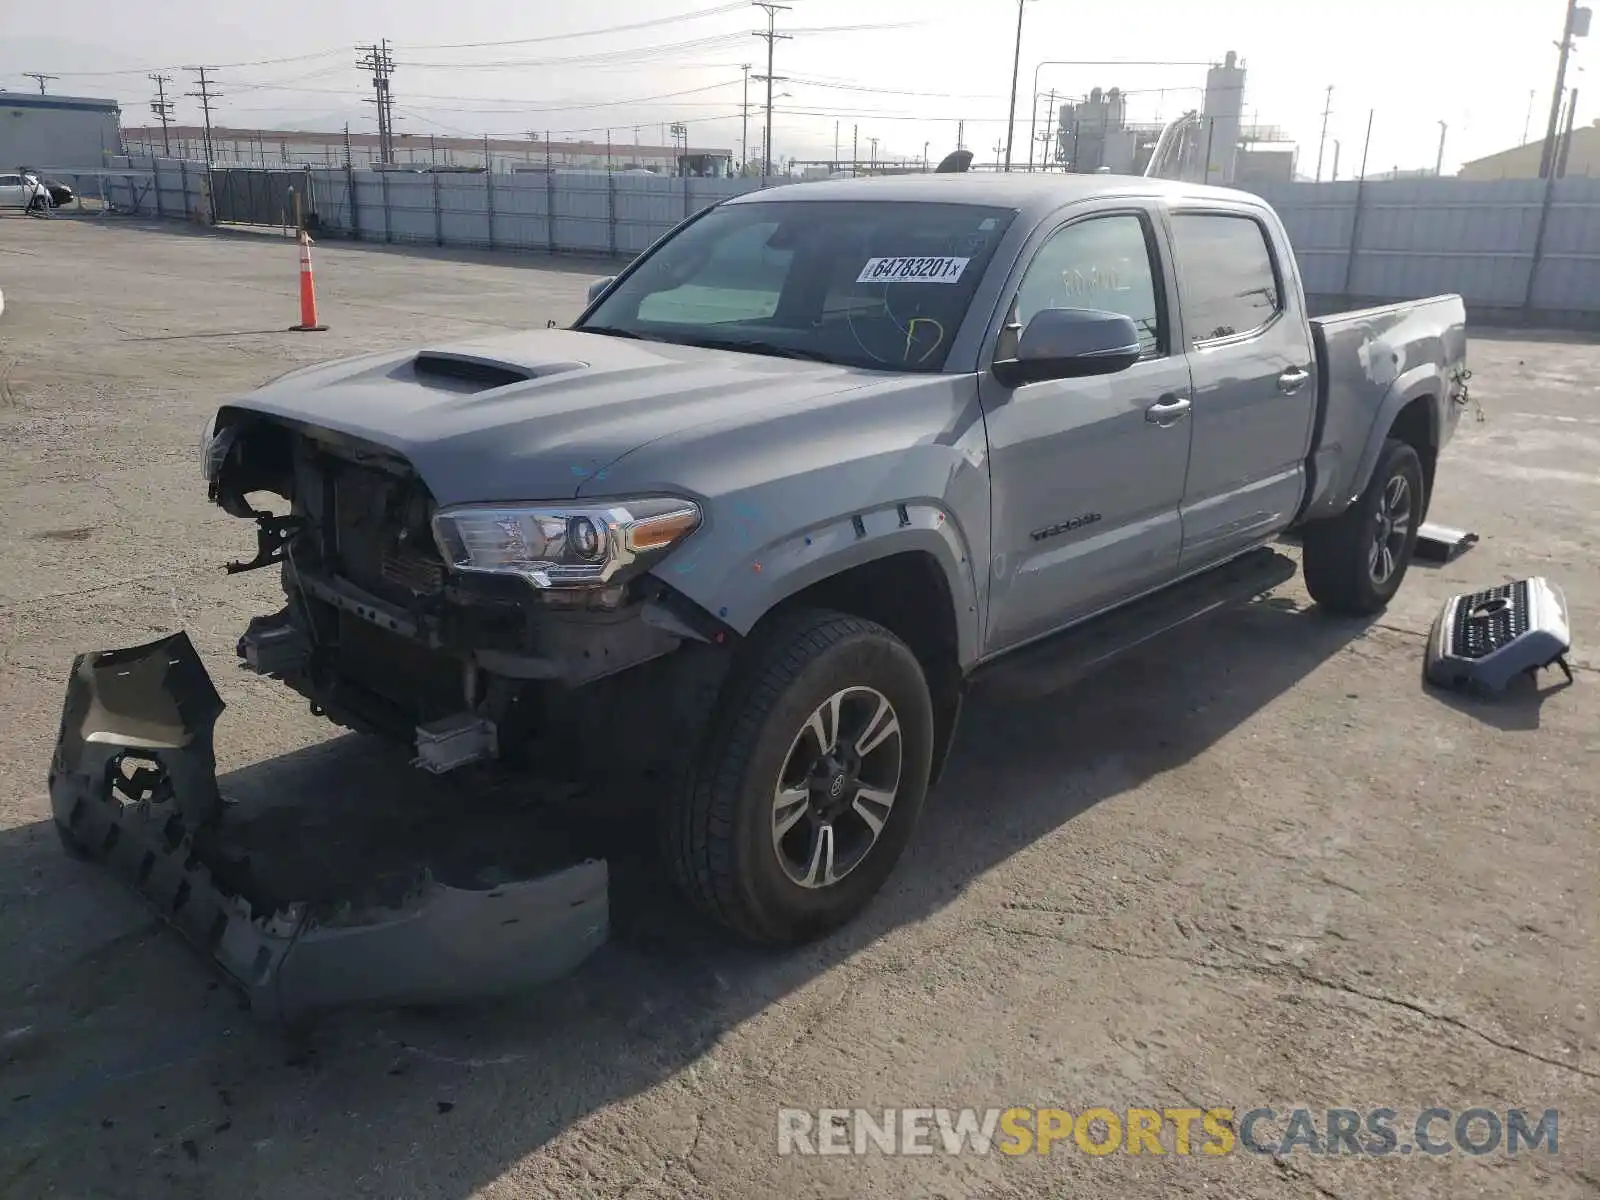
(908,595)
(1414,425)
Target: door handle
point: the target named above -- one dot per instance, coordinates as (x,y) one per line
(1292,380)
(1168,411)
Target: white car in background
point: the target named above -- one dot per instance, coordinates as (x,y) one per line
(22,190)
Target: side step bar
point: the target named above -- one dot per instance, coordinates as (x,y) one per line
(1064,659)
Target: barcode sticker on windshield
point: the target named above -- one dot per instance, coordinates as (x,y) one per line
(913,270)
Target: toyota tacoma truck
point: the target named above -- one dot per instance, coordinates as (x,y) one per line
(733,546)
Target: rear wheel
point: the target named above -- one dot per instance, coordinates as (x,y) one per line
(1355,562)
(811,781)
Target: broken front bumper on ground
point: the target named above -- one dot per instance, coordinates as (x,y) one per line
(133,786)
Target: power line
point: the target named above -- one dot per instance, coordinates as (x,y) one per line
(772,38)
(655,22)
(162,108)
(380,62)
(260,62)
(850,87)
(630,55)
(43,79)
(205,95)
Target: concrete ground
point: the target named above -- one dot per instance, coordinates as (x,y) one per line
(1256,865)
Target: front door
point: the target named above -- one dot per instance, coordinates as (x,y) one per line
(1087,474)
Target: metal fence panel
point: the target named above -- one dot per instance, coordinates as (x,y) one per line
(410,207)
(521,211)
(1379,240)
(464,212)
(1569,266)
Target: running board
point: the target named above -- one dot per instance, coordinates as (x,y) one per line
(1063,659)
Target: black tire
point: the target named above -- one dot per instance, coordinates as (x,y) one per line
(1339,553)
(720,841)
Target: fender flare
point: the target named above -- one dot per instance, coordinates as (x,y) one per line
(1422,381)
(753,587)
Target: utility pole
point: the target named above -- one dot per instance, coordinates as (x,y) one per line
(43,79)
(1575,26)
(1327,111)
(380,62)
(1527,121)
(206,96)
(1566,137)
(162,108)
(773,37)
(1016,67)
(744,127)
(961,135)
(1438,163)
(874,166)
(1333,176)
(855,149)
(836,145)
(1049,132)
(925,146)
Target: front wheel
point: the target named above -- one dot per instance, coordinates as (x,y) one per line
(810,783)
(1355,562)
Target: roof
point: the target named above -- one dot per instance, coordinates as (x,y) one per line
(1516,162)
(72,103)
(1040,191)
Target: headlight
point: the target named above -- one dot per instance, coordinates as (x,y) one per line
(562,545)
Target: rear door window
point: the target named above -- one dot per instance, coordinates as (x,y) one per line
(1227,280)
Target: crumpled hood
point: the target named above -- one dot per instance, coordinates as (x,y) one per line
(534,415)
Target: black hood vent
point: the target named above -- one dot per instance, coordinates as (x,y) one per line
(463,373)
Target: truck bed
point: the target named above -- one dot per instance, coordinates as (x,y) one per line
(1370,363)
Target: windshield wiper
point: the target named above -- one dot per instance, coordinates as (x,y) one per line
(754,346)
(612,331)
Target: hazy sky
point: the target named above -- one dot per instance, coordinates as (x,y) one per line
(919,66)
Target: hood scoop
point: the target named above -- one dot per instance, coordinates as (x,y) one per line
(454,371)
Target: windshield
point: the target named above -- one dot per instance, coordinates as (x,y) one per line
(878,284)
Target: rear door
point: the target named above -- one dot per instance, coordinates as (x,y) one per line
(1254,379)
(1087,474)
(11,191)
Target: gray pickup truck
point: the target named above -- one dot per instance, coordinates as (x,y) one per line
(739,539)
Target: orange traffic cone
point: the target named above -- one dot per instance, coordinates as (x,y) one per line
(308,291)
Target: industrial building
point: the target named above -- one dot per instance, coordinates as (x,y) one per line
(1579,155)
(57,132)
(302,147)
(1209,145)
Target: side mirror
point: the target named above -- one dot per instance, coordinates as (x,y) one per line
(600,285)
(1071,343)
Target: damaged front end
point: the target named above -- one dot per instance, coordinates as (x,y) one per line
(133,786)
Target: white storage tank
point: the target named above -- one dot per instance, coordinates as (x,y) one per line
(1221,120)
